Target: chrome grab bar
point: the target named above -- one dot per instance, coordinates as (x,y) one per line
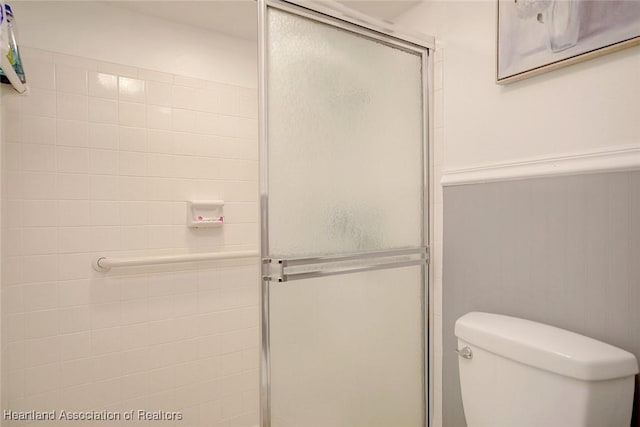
(353,256)
(379,260)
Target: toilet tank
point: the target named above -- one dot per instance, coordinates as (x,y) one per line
(519,373)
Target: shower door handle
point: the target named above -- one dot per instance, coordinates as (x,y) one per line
(284,270)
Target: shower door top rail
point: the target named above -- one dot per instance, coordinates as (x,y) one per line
(354,20)
(104,264)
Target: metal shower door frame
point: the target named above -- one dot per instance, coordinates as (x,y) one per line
(389,34)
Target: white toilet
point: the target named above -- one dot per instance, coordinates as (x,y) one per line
(519,373)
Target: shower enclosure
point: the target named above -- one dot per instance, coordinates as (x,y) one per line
(343,222)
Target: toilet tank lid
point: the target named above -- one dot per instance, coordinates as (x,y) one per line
(545,347)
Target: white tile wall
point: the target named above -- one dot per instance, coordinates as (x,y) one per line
(99,160)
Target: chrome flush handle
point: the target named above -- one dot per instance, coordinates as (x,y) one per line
(465,353)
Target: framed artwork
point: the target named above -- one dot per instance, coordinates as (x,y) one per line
(535,36)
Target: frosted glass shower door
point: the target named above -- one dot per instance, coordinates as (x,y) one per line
(343,225)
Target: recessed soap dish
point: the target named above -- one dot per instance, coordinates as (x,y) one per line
(205,213)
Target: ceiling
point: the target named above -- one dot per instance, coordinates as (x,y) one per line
(238,17)
(381,9)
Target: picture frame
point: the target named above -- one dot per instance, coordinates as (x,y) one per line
(537,36)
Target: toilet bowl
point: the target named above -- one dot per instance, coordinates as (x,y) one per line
(519,373)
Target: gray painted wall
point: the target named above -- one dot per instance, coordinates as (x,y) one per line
(563,251)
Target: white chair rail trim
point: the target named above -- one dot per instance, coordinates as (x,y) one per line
(619,159)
